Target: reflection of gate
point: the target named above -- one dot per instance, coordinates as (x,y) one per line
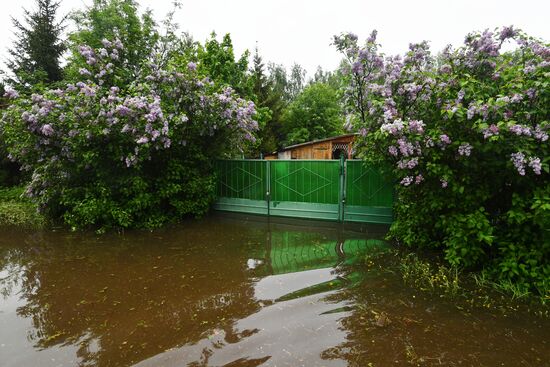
(318,189)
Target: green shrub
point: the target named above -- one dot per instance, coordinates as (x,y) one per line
(465,134)
(15,210)
(102,156)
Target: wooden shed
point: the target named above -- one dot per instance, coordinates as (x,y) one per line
(329,148)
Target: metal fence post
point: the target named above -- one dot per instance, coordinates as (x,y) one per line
(341,190)
(268,185)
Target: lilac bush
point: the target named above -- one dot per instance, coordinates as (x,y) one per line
(465,134)
(137,155)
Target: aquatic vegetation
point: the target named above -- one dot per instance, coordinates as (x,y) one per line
(15,210)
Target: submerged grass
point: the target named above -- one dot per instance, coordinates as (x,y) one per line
(15,210)
(465,289)
(429,276)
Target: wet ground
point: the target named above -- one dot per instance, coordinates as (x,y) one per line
(237,291)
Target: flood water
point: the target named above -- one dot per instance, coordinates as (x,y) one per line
(237,291)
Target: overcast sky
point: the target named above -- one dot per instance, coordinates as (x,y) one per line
(289,31)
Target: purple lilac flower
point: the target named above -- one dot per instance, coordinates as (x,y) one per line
(444,138)
(405,147)
(106,43)
(460,96)
(465,149)
(357,67)
(416,126)
(352,36)
(143,140)
(418,179)
(529,69)
(507,32)
(444,183)
(118,44)
(407,163)
(540,134)
(407,181)
(88,91)
(58,92)
(84,71)
(348,126)
(11,93)
(471,111)
(389,113)
(534,163)
(504,99)
(520,130)
(490,131)
(45,111)
(130,160)
(518,159)
(393,150)
(393,128)
(192,66)
(123,110)
(372,36)
(517,97)
(445,69)
(47,130)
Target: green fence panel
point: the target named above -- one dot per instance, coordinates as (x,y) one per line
(242,186)
(305,188)
(369,195)
(305,181)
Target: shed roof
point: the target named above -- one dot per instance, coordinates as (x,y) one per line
(317,141)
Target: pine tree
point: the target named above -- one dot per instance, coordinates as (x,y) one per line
(269,99)
(36,53)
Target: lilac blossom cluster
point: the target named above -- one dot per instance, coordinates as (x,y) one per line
(414,108)
(162,109)
(465,149)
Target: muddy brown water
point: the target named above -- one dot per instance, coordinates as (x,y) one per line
(237,291)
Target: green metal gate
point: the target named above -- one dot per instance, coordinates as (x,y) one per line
(317,189)
(305,188)
(368,195)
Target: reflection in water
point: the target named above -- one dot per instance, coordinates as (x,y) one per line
(231,292)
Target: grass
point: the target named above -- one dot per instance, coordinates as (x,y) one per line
(430,276)
(466,289)
(15,210)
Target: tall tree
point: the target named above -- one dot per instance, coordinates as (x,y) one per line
(36,52)
(217,60)
(270,102)
(296,81)
(315,114)
(114,20)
